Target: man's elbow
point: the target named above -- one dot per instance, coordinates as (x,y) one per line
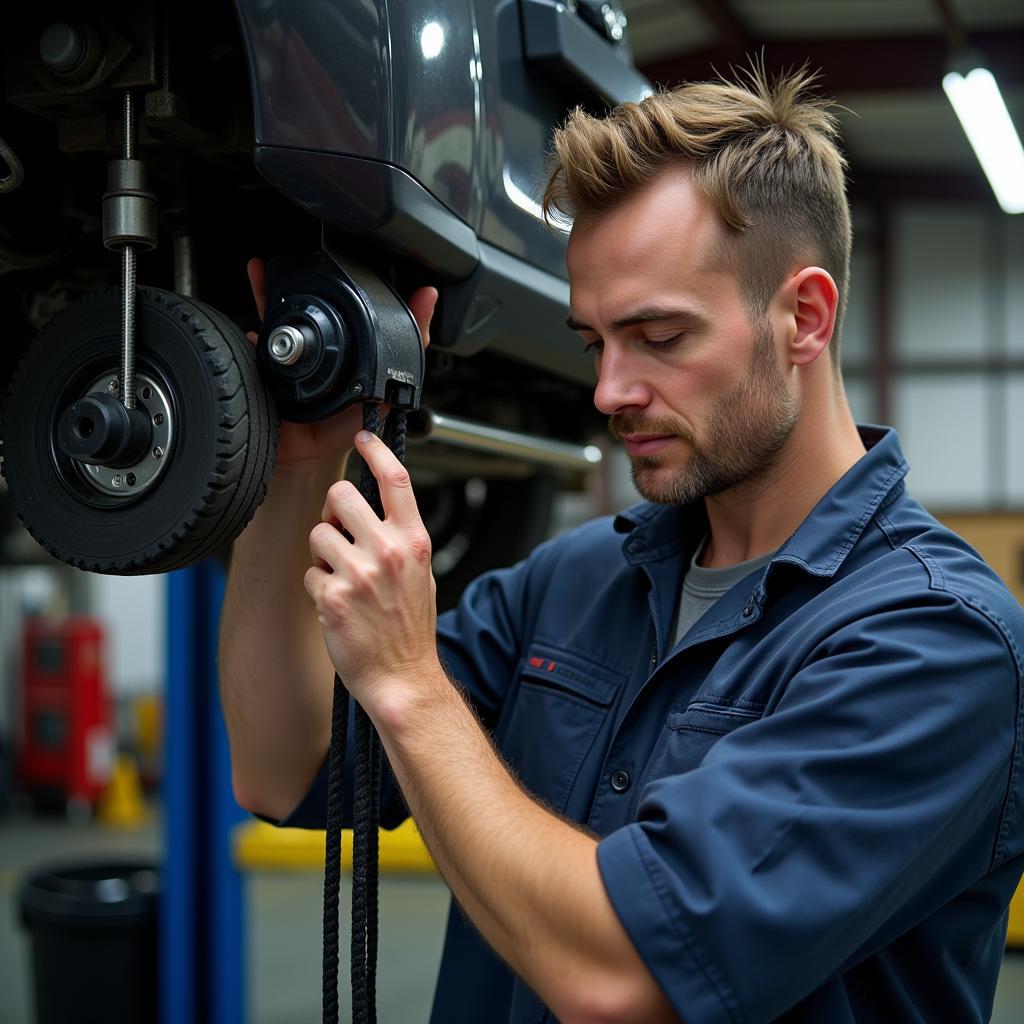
(635,999)
(260,800)
(246,797)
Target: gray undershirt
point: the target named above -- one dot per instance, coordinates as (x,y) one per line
(703,587)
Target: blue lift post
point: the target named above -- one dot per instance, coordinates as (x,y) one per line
(202,933)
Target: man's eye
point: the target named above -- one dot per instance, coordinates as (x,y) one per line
(593,347)
(667,343)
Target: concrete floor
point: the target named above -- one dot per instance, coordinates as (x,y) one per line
(284,931)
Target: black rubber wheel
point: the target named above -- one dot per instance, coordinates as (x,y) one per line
(218,461)
(477,525)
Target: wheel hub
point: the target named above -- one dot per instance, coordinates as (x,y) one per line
(137,478)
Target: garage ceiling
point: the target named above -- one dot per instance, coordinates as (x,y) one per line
(882,59)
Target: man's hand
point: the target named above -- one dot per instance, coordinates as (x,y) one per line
(375,594)
(312,444)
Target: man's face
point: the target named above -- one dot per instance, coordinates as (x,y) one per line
(692,387)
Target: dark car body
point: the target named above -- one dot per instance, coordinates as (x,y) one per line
(410,134)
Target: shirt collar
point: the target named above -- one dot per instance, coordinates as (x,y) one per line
(821,542)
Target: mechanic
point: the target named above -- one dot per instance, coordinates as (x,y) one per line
(750,749)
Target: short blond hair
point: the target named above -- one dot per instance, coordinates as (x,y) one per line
(764,153)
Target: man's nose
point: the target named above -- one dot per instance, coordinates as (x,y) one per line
(620,386)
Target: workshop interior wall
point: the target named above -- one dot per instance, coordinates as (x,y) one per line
(957,275)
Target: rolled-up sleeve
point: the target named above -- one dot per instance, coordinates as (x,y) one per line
(866,798)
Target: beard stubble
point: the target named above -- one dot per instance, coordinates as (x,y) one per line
(746,432)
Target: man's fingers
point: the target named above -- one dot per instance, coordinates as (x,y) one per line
(256,269)
(421,304)
(327,547)
(392,478)
(349,509)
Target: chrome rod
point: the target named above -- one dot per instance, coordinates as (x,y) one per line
(427,425)
(128,279)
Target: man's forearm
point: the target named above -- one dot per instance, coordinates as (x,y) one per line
(527,879)
(275,675)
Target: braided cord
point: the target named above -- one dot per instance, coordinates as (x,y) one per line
(364,819)
(332,853)
(366,806)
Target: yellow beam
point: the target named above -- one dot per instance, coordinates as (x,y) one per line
(259,846)
(1015,932)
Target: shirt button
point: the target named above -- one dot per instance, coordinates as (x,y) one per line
(620,780)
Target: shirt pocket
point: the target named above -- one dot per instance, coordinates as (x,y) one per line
(689,735)
(561,703)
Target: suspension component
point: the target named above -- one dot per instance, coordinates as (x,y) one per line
(129,226)
(336,333)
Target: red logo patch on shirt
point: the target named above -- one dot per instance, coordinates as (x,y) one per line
(543,664)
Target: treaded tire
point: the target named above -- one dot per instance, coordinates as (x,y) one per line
(218,464)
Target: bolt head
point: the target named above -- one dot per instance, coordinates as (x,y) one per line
(158,453)
(117,480)
(286,344)
(112,384)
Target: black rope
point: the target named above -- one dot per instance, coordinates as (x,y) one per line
(367,756)
(363,820)
(332,853)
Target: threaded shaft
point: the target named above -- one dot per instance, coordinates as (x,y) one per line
(128,278)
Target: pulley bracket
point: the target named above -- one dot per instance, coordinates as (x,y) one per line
(337,333)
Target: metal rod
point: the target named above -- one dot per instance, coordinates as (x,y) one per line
(128,115)
(427,425)
(128,279)
(128,327)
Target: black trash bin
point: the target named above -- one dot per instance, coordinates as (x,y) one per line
(93,931)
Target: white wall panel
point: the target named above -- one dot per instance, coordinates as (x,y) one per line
(857,346)
(938,302)
(621,492)
(1015,440)
(943,430)
(1014,283)
(132,610)
(862,396)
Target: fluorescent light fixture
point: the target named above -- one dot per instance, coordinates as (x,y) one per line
(986,121)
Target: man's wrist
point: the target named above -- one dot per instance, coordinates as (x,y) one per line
(401,705)
(315,470)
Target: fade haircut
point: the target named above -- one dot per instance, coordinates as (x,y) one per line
(763,152)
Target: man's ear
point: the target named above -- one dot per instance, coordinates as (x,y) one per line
(810,298)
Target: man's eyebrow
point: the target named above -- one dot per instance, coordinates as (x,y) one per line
(643,316)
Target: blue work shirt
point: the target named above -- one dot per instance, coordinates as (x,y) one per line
(809,807)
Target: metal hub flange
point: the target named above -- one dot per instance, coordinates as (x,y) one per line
(131,481)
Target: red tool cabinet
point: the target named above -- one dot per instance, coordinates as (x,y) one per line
(67,739)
